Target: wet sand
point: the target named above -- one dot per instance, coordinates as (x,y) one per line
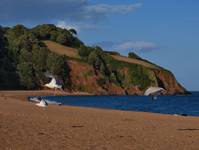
(24,126)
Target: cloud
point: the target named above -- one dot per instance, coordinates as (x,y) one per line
(105,9)
(64,25)
(45,11)
(75,25)
(128,45)
(135,45)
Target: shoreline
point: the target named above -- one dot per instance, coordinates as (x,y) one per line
(23,125)
(23,94)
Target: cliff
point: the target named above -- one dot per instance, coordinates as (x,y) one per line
(168,81)
(27,54)
(84,78)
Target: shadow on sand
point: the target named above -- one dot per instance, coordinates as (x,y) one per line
(189,129)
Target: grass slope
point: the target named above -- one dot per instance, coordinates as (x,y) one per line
(135,61)
(73,53)
(62,50)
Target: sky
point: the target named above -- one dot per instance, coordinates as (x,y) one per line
(165,32)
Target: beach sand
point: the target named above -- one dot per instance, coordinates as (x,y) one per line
(24,126)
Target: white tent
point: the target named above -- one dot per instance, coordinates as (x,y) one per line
(53,84)
(42,103)
(154,91)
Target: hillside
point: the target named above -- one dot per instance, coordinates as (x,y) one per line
(80,73)
(62,50)
(30,53)
(135,61)
(73,53)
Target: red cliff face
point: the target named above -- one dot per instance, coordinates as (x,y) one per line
(168,81)
(84,79)
(134,90)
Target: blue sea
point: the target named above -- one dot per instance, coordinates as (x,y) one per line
(180,105)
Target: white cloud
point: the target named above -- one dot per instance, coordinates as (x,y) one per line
(77,26)
(135,45)
(128,45)
(64,25)
(33,11)
(105,8)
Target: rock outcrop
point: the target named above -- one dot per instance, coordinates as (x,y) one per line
(84,78)
(168,81)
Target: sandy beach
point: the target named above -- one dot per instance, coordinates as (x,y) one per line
(24,126)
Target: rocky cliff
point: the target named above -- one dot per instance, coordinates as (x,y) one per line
(168,81)
(84,78)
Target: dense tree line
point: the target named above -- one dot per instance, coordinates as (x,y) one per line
(62,36)
(24,58)
(8,76)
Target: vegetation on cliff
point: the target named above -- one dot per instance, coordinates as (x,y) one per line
(26,54)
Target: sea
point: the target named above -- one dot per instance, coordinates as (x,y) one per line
(175,105)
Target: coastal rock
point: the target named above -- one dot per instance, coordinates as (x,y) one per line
(83,78)
(134,90)
(168,81)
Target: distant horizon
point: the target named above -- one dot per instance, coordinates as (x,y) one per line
(163,32)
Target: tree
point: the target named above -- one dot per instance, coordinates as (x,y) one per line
(57,65)
(8,76)
(73,31)
(2,42)
(62,39)
(25,58)
(44,31)
(92,58)
(26,73)
(133,55)
(27,41)
(139,76)
(84,51)
(19,30)
(39,60)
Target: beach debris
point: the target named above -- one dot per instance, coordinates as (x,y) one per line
(42,103)
(154,91)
